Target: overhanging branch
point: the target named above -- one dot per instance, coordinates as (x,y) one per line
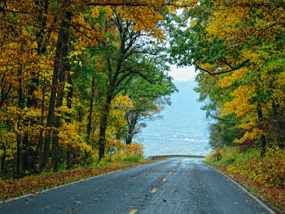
(223,72)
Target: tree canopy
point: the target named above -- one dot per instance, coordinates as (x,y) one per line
(79,78)
(238,48)
(66,71)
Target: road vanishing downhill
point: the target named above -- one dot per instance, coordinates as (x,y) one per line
(179,185)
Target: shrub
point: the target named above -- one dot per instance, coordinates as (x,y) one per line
(135,159)
(269,170)
(130,153)
(211,157)
(102,163)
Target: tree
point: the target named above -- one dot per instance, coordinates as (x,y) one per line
(148,101)
(238,40)
(124,59)
(43,108)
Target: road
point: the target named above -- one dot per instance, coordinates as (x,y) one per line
(178,185)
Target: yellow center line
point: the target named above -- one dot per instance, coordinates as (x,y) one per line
(133,212)
(164,179)
(154,190)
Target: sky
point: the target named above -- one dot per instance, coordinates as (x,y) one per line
(182,74)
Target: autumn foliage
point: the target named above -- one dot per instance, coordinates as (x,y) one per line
(267,175)
(238,47)
(65,70)
(35,184)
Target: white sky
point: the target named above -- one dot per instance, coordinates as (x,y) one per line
(182,74)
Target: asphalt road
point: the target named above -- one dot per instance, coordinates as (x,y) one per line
(177,185)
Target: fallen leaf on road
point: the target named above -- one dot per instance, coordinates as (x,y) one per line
(164,200)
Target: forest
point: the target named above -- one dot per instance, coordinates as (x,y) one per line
(79,78)
(238,48)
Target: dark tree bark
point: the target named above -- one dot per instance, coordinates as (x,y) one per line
(70,92)
(278,125)
(91,109)
(103,127)
(3,158)
(27,146)
(117,76)
(58,72)
(132,121)
(4,92)
(19,139)
(69,105)
(263,139)
(40,145)
(27,150)
(46,149)
(64,66)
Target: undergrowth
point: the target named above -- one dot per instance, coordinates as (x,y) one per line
(130,156)
(266,174)
(269,170)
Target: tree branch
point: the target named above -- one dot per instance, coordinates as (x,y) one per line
(223,72)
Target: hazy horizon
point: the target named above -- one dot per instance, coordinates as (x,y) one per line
(183,129)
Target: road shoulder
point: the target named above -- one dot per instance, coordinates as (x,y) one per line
(250,188)
(36,184)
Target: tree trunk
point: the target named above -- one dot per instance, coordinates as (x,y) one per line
(64,66)
(40,146)
(278,125)
(129,139)
(263,139)
(132,121)
(69,105)
(90,112)
(70,93)
(40,36)
(4,94)
(27,150)
(3,158)
(46,151)
(103,127)
(61,47)
(68,157)
(19,139)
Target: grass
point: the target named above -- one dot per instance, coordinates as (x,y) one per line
(253,172)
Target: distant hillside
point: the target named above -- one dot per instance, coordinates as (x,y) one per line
(183,130)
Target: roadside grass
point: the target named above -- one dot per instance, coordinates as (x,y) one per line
(264,177)
(135,159)
(35,183)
